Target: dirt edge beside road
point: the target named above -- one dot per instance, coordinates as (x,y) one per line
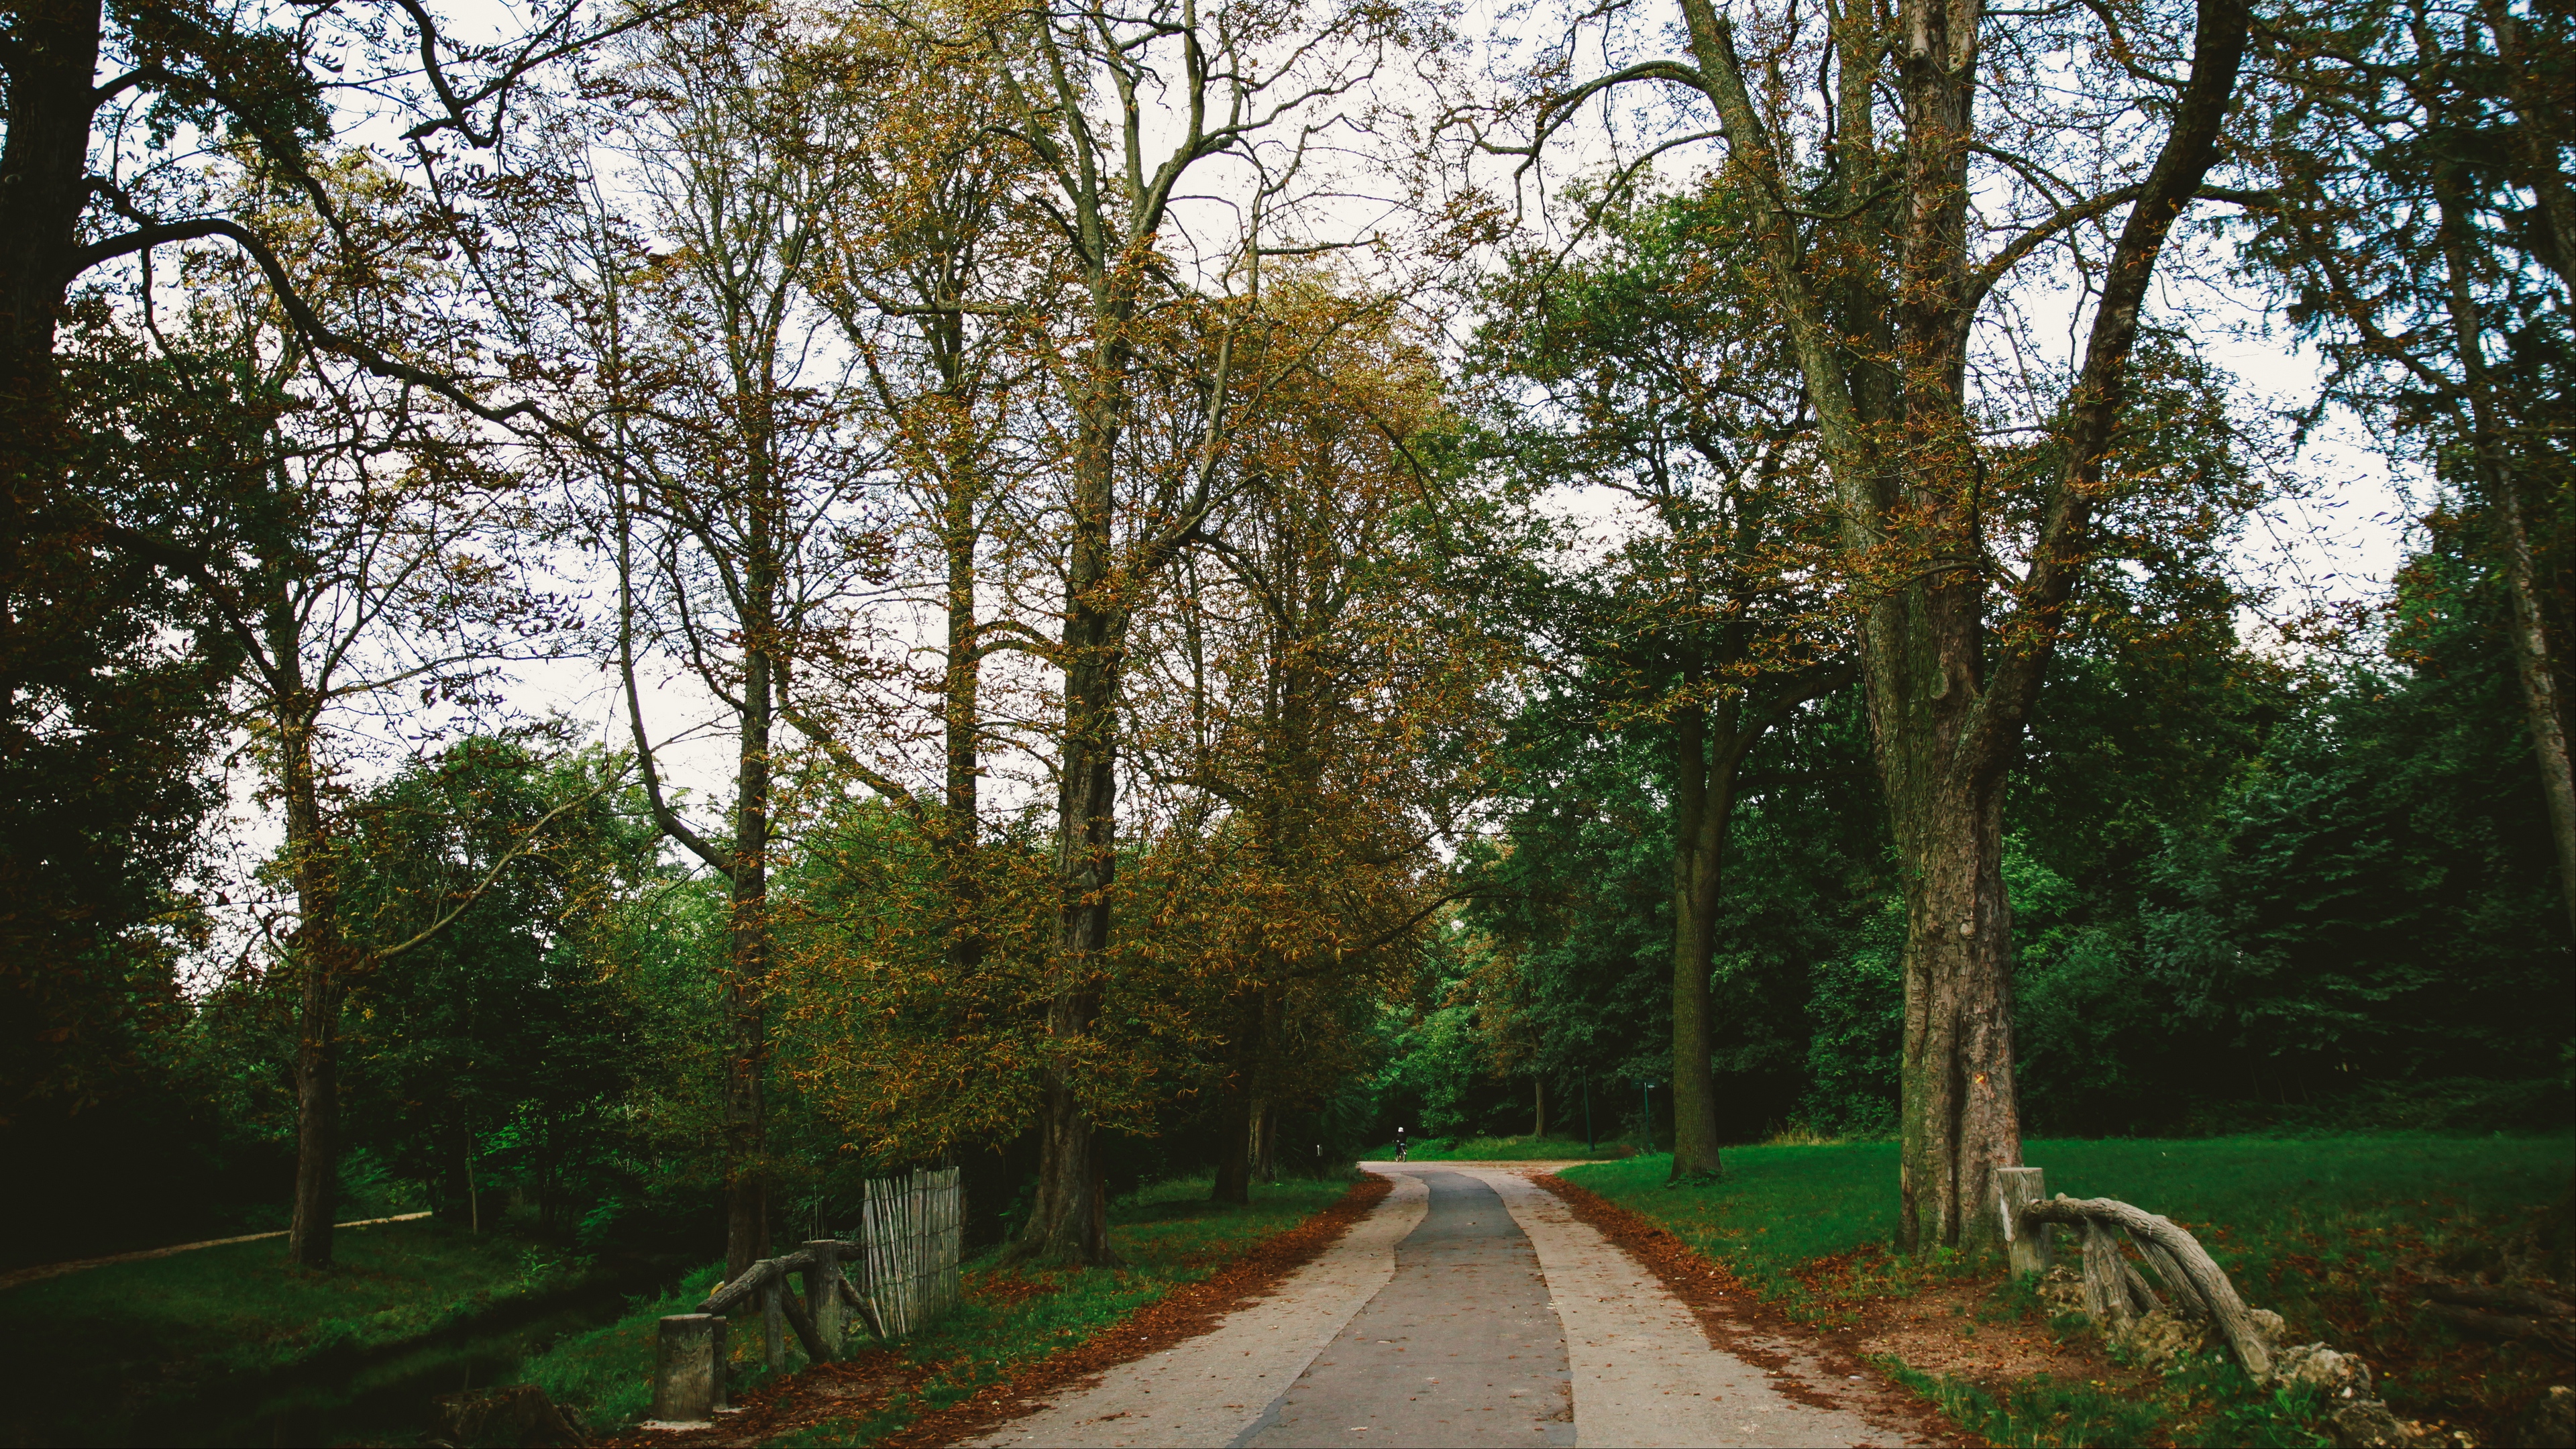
(1828,1374)
(869,1377)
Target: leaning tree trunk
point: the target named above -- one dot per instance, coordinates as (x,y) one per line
(2543,713)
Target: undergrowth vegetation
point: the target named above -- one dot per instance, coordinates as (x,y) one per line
(2325,1231)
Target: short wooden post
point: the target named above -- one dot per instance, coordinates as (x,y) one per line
(823,1295)
(688,1368)
(2017,1188)
(773,1319)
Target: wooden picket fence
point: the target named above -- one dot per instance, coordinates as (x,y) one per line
(912,1232)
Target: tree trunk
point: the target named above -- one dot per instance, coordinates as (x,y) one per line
(319,951)
(1703,796)
(1961,1111)
(1068,1222)
(1240,1117)
(2542,712)
(959,838)
(747,979)
(51,72)
(1538,1107)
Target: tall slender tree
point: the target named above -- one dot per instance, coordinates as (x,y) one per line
(1075,83)
(1646,369)
(2424,236)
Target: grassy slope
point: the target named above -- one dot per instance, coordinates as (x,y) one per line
(1498,1149)
(1168,1233)
(116,1343)
(2308,1227)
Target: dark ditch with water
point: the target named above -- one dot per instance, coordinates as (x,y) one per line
(371,1396)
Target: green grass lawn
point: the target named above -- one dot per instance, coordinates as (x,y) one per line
(118,1349)
(1500,1149)
(2313,1228)
(1169,1234)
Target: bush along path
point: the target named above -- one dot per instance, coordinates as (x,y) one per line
(1018,1336)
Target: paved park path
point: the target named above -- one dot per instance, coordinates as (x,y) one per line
(1471,1308)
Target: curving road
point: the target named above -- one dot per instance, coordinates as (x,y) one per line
(1470,1308)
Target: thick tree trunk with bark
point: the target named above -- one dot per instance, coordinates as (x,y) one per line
(1960,1115)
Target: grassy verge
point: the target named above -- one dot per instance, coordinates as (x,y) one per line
(1501,1149)
(120,1348)
(1168,1233)
(2318,1229)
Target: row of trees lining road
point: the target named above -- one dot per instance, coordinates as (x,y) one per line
(1243,568)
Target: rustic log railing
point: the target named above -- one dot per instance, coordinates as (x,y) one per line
(906,1252)
(2116,1293)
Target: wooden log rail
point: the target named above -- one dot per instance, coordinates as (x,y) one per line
(2116,1293)
(689,1355)
(911,1238)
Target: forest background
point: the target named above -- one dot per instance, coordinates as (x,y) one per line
(1180,588)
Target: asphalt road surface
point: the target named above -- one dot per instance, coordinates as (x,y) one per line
(1470,1308)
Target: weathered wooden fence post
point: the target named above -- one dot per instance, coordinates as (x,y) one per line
(823,1295)
(2016,1189)
(773,1320)
(688,1368)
